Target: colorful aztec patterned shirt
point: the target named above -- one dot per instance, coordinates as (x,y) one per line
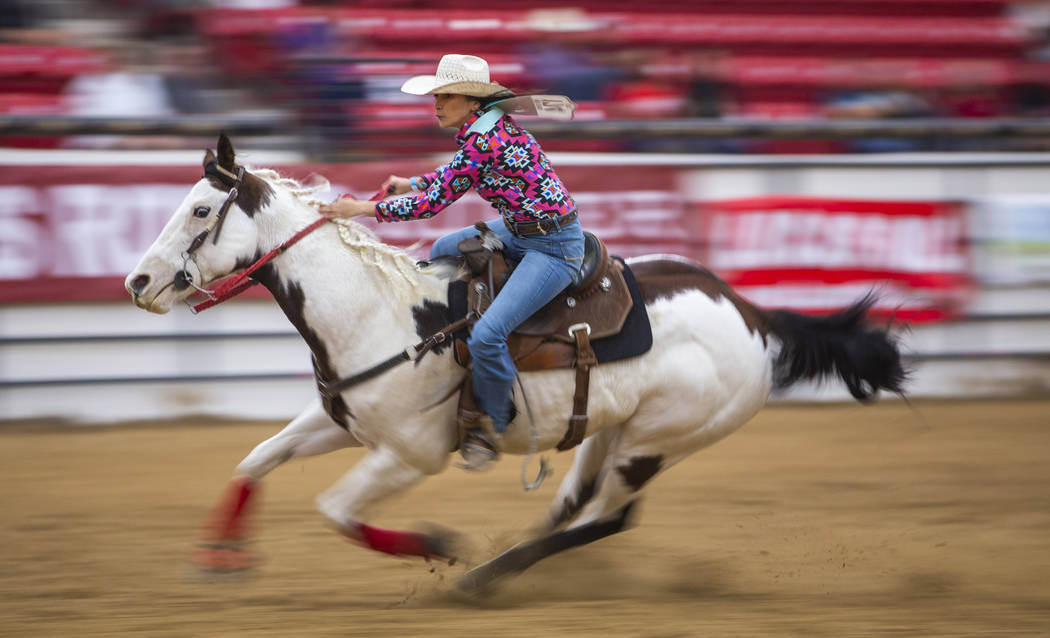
(506,166)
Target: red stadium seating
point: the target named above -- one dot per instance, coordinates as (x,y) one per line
(769,58)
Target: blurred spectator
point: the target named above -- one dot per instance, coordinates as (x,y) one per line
(319,84)
(253,4)
(1035,16)
(567,69)
(165,18)
(1032,99)
(621,62)
(191,82)
(133,87)
(707,93)
(973,101)
(16,16)
(640,95)
(887,102)
(33,22)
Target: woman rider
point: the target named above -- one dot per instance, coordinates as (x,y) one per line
(538,226)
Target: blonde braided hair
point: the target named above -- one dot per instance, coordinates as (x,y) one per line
(390,260)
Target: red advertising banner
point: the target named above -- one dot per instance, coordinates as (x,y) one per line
(73,232)
(815,255)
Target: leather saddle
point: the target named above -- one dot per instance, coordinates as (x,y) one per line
(558,335)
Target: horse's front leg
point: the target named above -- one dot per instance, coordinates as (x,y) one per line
(227,531)
(380,474)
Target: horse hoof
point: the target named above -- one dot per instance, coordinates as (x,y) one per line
(475,586)
(220,558)
(443,543)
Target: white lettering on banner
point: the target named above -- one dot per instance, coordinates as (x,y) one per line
(21,234)
(103,230)
(91,230)
(80,230)
(621,215)
(807,239)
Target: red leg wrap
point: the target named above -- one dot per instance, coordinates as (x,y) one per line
(223,548)
(393,542)
(230,518)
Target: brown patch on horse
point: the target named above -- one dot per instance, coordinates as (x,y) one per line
(253,194)
(664,278)
(291,298)
(430,318)
(641,468)
(570,507)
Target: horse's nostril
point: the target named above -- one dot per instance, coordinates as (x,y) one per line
(139,284)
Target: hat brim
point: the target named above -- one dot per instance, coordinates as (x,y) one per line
(429,84)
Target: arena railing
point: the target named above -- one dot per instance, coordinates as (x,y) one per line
(275,130)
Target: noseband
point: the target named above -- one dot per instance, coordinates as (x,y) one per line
(183,278)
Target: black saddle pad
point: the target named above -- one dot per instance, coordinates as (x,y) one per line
(636,337)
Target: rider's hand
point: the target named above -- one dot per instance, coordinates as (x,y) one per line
(395,185)
(345,207)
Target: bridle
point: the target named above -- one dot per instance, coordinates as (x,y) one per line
(183,278)
(235,285)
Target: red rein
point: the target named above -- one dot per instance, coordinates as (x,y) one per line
(237,284)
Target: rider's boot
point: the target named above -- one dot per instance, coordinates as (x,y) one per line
(480,447)
(480,443)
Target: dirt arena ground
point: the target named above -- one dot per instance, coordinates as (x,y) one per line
(814,520)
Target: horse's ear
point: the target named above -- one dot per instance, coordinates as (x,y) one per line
(226,154)
(209,157)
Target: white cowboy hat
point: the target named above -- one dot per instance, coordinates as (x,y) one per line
(462,74)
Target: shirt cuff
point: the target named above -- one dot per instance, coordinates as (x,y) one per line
(422,182)
(380,217)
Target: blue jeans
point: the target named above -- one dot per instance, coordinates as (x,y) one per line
(547,264)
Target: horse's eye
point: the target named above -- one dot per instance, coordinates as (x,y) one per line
(201,211)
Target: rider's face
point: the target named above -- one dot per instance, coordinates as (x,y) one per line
(453,109)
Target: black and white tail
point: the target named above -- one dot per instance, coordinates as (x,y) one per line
(866,358)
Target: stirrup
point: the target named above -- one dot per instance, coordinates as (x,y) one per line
(478,451)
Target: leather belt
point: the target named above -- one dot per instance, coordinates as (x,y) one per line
(539,227)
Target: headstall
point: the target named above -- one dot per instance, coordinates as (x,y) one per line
(236,284)
(183,278)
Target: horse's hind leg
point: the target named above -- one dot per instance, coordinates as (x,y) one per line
(524,555)
(625,470)
(581,482)
(309,434)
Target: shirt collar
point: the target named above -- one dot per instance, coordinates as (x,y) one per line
(461,136)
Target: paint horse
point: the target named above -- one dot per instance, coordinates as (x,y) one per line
(714,360)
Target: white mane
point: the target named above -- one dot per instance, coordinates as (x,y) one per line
(390,260)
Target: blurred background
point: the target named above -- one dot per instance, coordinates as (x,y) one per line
(807,151)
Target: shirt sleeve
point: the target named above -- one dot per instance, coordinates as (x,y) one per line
(421,182)
(447,184)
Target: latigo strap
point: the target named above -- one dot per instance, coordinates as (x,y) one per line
(585,360)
